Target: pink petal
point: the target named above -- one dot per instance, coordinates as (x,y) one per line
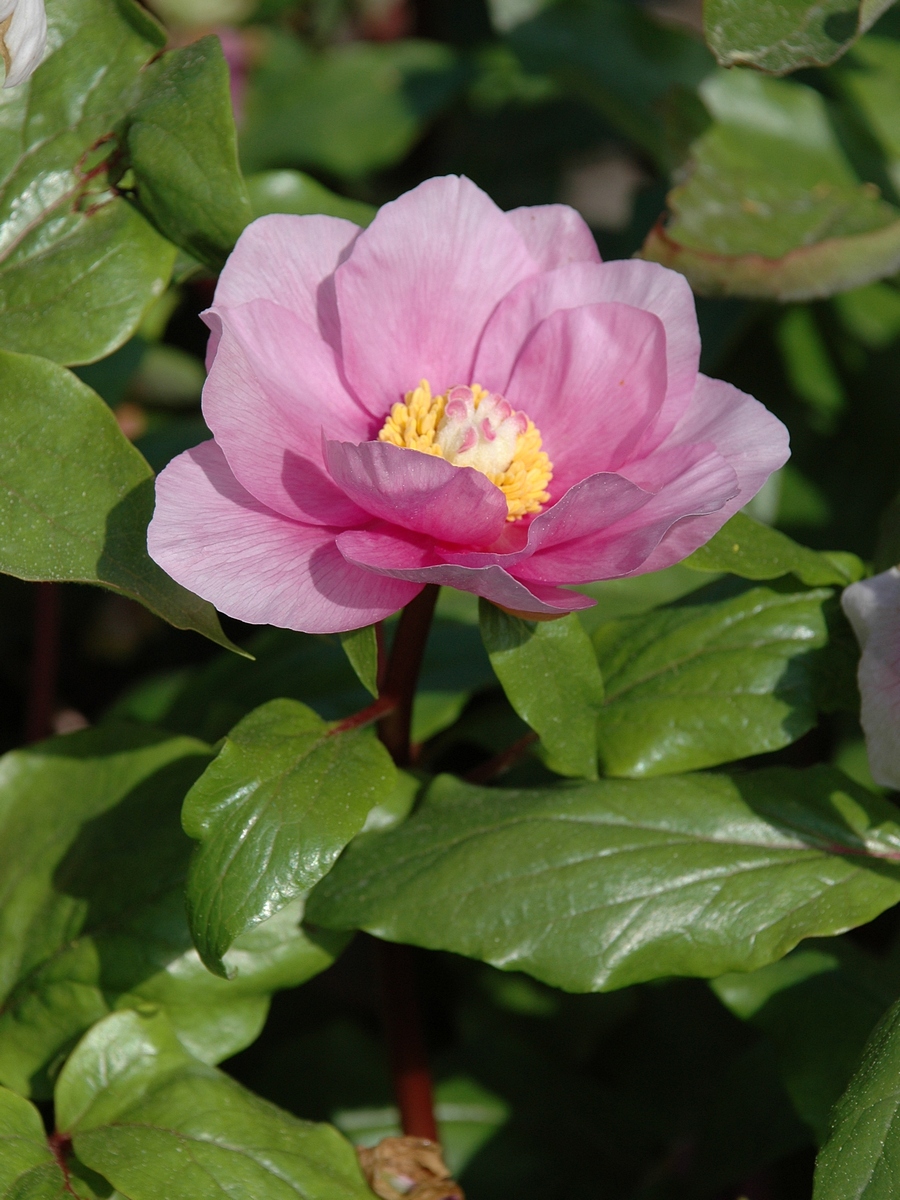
(555,235)
(592,379)
(399,555)
(272,391)
(642,285)
(213,537)
(749,438)
(701,482)
(873,609)
(419,491)
(418,287)
(284,259)
(586,509)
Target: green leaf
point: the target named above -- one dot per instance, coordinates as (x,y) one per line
(361,648)
(769,205)
(181,143)
(78,266)
(28,1169)
(158,1123)
(94,861)
(781,37)
(861,1157)
(293,192)
(617,59)
(76,497)
(817,1007)
(272,813)
(599,885)
(706,683)
(24,1151)
(549,673)
(349,109)
(870,79)
(745,547)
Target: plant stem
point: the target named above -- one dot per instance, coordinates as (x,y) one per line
(403,672)
(42,682)
(403,1028)
(406,1045)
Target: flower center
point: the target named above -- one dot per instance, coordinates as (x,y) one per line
(471,427)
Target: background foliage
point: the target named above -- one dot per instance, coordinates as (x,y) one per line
(659,943)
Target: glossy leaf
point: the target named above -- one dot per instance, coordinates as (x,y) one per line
(361,648)
(94,863)
(599,885)
(157,1122)
(181,143)
(745,547)
(76,497)
(860,1160)
(348,110)
(781,37)
(549,673)
(817,1007)
(294,192)
(700,684)
(78,266)
(272,813)
(769,205)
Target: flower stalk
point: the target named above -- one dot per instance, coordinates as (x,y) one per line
(403,1027)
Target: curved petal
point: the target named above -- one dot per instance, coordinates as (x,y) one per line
(272,392)
(701,481)
(24,40)
(643,285)
(555,235)
(750,438)
(213,537)
(419,491)
(399,555)
(285,259)
(592,379)
(290,261)
(585,510)
(873,609)
(418,287)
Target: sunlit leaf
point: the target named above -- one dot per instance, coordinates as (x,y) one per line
(157,1122)
(272,813)
(76,497)
(700,684)
(781,37)
(598,885)
(94,909)
(769,205)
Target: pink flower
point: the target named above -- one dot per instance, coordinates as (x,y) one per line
(873,609)
(455,395)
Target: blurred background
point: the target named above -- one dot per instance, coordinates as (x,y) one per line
(606,105)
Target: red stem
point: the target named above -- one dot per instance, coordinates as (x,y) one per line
(406,1045)
(42,682)
(403,1027)
(402,672)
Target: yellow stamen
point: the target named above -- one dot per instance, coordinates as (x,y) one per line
(415,424)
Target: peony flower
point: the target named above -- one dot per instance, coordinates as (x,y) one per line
(23,38)
(873,609)
(455,395)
